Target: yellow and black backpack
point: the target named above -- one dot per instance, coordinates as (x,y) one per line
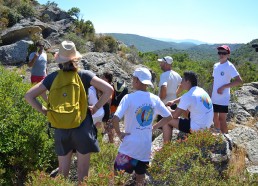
(67,101)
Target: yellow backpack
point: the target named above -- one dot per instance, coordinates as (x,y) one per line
(67,101)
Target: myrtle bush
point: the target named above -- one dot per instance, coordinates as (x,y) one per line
(24,143)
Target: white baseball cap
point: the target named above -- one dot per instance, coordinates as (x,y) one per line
(144,75)
(167,59)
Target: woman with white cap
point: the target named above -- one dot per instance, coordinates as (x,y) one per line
(83,139)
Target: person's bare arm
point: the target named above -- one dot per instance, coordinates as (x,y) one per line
(163,92)
(237,81)
(179,90)
(106,90)
(31,97)
(34,59)
(177,113)
(115,121)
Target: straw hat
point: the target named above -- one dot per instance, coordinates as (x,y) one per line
(67,52)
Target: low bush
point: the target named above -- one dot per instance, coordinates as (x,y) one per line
(105,44)
(24,143)
(189,163)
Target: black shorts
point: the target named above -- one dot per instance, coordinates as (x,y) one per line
(173,107)
(184,125)
(220,108)
(82,139)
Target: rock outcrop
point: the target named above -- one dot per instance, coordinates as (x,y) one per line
(15,53)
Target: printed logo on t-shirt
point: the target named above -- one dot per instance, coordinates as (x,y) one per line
(144,115)
(222,73)
(206,101)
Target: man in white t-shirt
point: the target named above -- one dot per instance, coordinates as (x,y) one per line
(139,110)
(169,81)
(223,72)
(197,102)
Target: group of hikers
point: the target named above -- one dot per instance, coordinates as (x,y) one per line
(138,109)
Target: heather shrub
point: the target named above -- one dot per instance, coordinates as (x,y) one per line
(24,143)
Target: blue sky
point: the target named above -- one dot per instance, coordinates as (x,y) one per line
(228,21)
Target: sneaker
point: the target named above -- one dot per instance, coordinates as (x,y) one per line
(54,173)
(229,139)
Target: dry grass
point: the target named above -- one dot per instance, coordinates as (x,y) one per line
(237,162)
(231,125)
(251,122)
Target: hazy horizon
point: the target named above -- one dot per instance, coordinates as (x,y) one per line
(206,21)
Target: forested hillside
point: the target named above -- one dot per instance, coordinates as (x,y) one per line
(145,44)
(203,52)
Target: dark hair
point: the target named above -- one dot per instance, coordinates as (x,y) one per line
(40,43)
(69,66)
(108,76)
(192,77)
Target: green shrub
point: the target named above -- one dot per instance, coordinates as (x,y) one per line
(24,143)
(189,163)
(13,17)
(26,10)
(45,18)
(105,44)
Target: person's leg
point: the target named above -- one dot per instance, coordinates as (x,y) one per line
(216,120)
(167,133)
(140,179)
(44,96)
(110,131)
(223,122)
(64,163)
(83,165)
(168,129)
(140,171)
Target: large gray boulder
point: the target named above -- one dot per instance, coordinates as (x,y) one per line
(15,53)
(245,105)
(18,32)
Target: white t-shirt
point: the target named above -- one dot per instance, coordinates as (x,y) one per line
(198,102)
(40,66)
(92,99)
(172,80)
(222,74)
(139,110)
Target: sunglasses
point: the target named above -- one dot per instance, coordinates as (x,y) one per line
(222,53)
(165,59)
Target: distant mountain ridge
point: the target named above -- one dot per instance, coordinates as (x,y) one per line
(197,42)
(145,44)
(239,51)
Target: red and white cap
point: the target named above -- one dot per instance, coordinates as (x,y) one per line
(224,47)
